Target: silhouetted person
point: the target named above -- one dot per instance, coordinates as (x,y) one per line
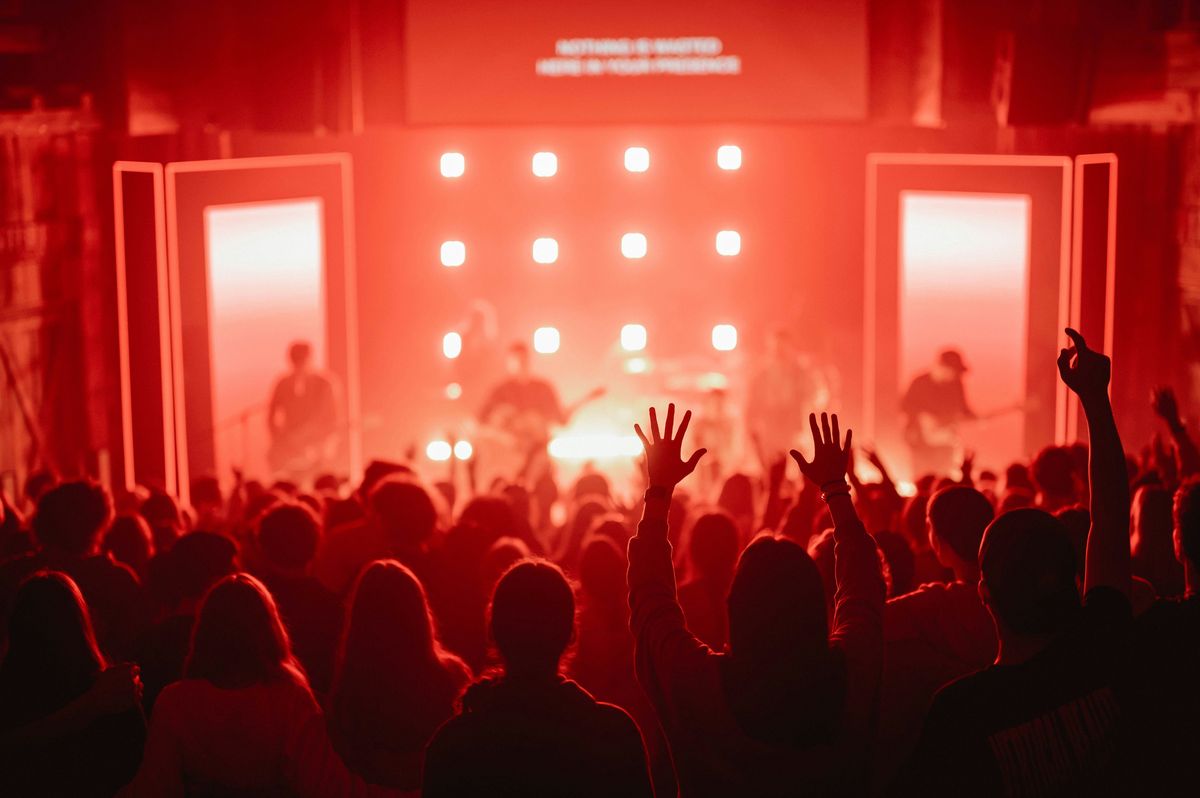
(1153,552)
(395,684)
(523,405)
(933,406)
(69,737)
(1045,719)
(528,731)
(182,577)
(712,553)
(243,720)
(67,526)
(401,518)
(938,632)
(787,710)
(1053,473)
(302,416)
(288,536)
(128,541)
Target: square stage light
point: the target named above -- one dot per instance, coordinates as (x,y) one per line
(454,253)
(451,345)
(633,337)
(453,164)
(545,340)
(545,250)
(724,337)
(545,164)
(633,245)
(729,157)
(637,159)
(729,243)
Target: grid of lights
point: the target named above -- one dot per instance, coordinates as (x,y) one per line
(545,250)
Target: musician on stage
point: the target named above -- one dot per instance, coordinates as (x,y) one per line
(523,404)
(934,406)
(301,417)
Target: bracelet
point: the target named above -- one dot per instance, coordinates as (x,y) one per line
(839,489)
(658,492)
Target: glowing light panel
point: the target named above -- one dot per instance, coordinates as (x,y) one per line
(452,345)
(463,450)
(545,250)
(545,340)
(438,451)
(729,157)
(633,245)
(729,243)
(637,159)
(724,337)
(545,164)
(453,164)
(633,337)
(454,253)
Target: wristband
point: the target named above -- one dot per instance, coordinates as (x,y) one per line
(839,488)
(658,492)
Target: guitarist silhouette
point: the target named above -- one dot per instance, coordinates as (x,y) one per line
(302,417)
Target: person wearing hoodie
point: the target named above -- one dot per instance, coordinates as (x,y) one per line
(527,730)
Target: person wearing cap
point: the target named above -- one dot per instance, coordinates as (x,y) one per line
(933,406)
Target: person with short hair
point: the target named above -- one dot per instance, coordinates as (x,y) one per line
(1046,717)
(527,730)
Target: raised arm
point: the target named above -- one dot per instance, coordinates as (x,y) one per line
(1167,408)
(1087,373)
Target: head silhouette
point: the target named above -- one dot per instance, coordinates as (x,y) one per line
(239,640)
(532,618)
(957,518)
(70,517)
(713,546)
(288,534)
(300,354)
(602,571)
(404,511)
(52,654)
(389,622)
(129,541)
(1187,522)
(1027,573)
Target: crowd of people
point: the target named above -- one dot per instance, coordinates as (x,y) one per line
(1031,633)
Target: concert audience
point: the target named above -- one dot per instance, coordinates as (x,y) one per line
(1034,635)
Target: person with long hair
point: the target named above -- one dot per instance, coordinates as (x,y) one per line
(243,719)
(787,708)
(394,683)
(58,733)
(527,730)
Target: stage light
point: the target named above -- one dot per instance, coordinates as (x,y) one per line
(463,450)
(454,253)
(724,337)
(637,365)
(633,337)
(633,245)
(729,157)
(453,391)
(637,159)
(594,446)
(438,451)
(545,250)
(453,164)
(729,243)
(545,164)
(451,345)
(545,340)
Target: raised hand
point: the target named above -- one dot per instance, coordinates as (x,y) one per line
(1084,371)
(830,455)
(1162,400)
(665,466)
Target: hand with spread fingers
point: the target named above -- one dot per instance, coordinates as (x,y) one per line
(665,466)
(831,456)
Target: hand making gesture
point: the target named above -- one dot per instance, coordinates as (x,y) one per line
(830,456)
(1084,371)
(665,466)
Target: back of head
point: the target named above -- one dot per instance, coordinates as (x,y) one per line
(712,548)
(206,492)
(52,655)
(389,627)
(1054,471)
(1187,521)
(70,516)
(592,483)
(197,562)
(914,521)
(128,540)
(239,640)
(1027,564)
(784,684)
(490,513)
(737,496)
(532,618)
(288,535)
(957,518)
(161,510)
(405,511)
(602,570)
(776,603)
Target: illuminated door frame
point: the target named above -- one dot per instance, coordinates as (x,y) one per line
(193,185)
(1057,175)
